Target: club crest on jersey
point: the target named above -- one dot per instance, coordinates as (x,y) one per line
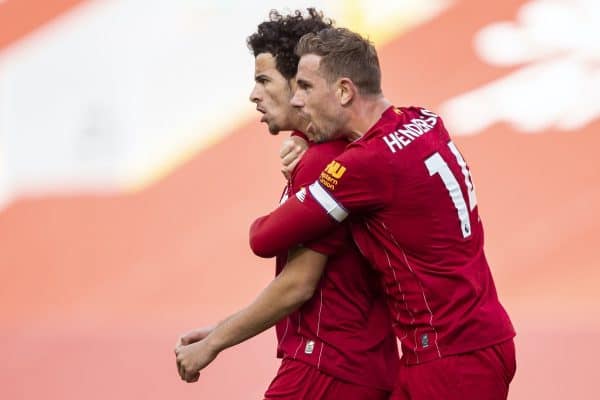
(331,175)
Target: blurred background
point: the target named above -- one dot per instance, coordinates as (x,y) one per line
(132,163)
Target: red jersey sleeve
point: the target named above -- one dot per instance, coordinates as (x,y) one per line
(354,183)
(296,221)
(351,183)
(307,171)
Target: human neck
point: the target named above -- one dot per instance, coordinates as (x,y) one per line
(366,112)
(297,122)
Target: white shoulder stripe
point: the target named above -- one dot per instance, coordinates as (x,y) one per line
(332,207)
(301,195)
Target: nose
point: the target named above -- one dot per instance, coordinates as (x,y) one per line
(297,100)
(254,95)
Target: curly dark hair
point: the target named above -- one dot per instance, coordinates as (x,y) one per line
(280,34)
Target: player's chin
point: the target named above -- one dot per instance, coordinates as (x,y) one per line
(314,135)
(321,137)
(274,129)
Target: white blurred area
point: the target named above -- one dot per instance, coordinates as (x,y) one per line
(555,46)
(115,93)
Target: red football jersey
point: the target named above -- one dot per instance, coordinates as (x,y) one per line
(345,329)
(414,216)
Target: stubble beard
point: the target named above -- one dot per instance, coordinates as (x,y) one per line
(323,136)
(273,129)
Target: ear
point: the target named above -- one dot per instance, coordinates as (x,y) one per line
(346,91)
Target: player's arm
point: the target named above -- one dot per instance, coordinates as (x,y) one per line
(289,290)
(291,224)
(194,336)
(355,182)
(299,219)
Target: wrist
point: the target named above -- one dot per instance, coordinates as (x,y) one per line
(214,343)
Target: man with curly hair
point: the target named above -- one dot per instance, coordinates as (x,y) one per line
(333,328)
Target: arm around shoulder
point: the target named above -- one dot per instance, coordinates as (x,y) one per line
(291,224)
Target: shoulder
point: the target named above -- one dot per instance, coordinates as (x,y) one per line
(316,159)
(331,149)
(318,155)
(360,162)
(362,153)
(367,152)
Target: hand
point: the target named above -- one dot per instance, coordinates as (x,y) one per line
(194,336)
(291,152)
(192,358)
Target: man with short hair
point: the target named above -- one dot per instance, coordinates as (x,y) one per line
(408,194)
(336,341)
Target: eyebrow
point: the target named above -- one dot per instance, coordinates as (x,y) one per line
(260,76)
(302,82)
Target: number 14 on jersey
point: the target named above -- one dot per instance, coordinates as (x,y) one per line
(437,165)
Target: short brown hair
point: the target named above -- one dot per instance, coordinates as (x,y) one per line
(344,54)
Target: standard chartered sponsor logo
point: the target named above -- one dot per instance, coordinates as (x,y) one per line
(557,85)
